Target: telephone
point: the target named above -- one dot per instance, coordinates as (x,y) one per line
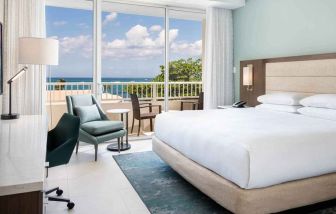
(240,104)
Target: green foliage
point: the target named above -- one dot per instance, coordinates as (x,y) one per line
(140,89)
(60,86)
(182,70)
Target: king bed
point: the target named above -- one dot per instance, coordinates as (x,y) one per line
(257,161)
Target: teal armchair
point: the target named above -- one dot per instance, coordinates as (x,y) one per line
(96,131)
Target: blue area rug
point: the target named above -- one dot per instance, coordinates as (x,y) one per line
(164,191)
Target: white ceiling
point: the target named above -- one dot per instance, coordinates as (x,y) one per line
(195,4)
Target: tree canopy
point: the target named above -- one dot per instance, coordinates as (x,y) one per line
(184,70)
(181,70)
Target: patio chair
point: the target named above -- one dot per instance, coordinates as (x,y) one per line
(95,128)
(136,106)
(195,104)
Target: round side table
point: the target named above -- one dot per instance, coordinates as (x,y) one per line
(114,146)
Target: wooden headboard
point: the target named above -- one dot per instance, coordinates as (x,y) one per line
(309,74)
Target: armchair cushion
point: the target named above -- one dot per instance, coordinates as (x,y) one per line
(82,100)
(87,113)
(97,128)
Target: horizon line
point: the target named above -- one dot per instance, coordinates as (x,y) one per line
(102,77)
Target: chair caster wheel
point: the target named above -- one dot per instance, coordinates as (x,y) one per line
(70,205)
(59,192)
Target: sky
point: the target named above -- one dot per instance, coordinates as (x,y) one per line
(132,46)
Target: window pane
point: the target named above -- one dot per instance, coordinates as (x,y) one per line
(73,28)
(132,58)
(185,65)
(133,47)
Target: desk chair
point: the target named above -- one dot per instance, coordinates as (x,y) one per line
(60,145)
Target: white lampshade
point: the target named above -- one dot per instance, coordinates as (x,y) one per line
(247,76)
(38,51)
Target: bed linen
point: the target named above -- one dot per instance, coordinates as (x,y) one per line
(252,148)
(283,108)
(323,113)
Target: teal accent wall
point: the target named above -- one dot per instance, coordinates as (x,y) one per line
(277,28)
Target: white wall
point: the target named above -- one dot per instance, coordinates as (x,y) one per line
(1,20)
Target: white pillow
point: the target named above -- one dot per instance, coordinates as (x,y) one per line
(284,108)
(320,101)
(323,113)
(286,98)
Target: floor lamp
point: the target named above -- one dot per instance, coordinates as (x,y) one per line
(32,51)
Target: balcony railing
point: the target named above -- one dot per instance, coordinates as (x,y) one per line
(120,91)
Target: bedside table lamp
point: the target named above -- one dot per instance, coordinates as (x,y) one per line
(33,51)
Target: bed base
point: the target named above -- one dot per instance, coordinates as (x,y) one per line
(247,201)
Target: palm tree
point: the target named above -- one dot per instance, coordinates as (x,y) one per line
(61,86)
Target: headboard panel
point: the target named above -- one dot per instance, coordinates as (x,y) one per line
(312,77)
(311,74)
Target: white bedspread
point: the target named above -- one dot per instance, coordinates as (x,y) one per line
(252,148)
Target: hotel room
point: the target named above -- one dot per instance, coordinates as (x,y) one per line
(166,106)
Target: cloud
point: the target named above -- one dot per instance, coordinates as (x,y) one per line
(110,17)
(53,37)
(83,25)
(139,43)
(155,28)
(59,23)
(136,34)
(81,44)
(185,48)
(173,33)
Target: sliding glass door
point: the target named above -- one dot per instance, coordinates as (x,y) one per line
(114,49)
(132,51)
(185,60)
(72,25)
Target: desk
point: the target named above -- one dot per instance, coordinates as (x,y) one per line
(22,161)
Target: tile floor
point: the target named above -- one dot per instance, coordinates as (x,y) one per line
(96,187)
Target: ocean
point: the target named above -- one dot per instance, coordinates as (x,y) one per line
(116,90)
(104,79)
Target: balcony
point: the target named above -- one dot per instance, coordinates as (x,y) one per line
(116,95)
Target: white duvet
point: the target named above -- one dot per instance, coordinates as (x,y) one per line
(252,148)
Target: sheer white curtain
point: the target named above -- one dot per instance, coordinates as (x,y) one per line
(218,73)
(23,18)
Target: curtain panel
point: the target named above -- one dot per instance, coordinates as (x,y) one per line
(218,73)
(23,18)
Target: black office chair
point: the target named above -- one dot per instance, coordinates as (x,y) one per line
(60,145)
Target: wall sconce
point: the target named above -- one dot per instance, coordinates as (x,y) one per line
(248,77)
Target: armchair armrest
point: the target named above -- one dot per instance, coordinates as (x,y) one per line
(145,104)
(65,150)
(150,107)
